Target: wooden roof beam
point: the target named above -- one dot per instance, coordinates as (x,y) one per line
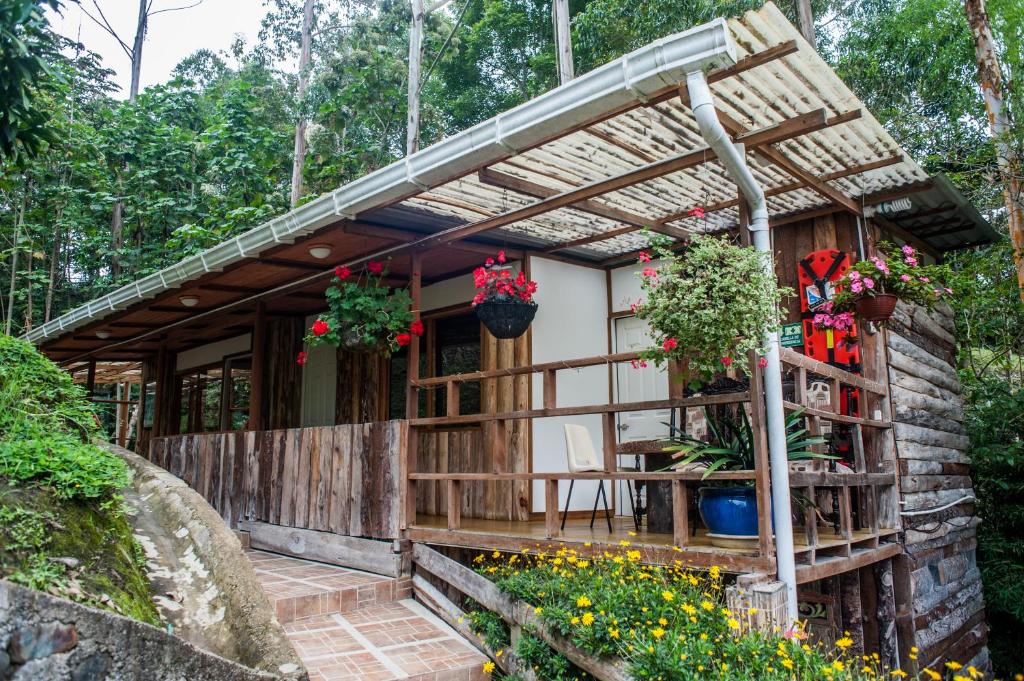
(496,178)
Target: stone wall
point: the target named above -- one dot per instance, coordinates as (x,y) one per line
(43,637)
(945,616)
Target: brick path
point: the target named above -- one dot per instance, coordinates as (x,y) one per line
(347,624)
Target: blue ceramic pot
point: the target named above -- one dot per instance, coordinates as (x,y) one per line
(729,510)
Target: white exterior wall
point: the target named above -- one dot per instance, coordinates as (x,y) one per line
(212,353)
(626,285)
(571,322)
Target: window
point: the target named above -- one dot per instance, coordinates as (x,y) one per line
(237,391)
(199,393)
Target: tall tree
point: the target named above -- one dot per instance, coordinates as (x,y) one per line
(299,160)
(1007,157)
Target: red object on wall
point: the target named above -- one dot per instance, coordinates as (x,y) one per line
(816,273)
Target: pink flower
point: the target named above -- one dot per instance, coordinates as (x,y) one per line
(869,282)
(342,272)
(924,280)
(501,257)
(880,264)
(478,298)
(375,267)
(649,272)
(856,286)
(696,212)
(320,327)
(639,363)
(489,262)
(634,306)
(904,277)
(403,339)
(644,256)
(302,358)
(763,362)
(910,261)
(416,328)
(854,275)
(727,361)
(907,249)
(948,290)
(670,344)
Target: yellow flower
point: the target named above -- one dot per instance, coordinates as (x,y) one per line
(588,619)
(582,602)
(623,542)
(973,672)
(839,666)
(582,564)
(844,643)
(488,667)
(633,556)
(574,620)
(496,554)
(479,559)
(752,611)
(538,610)
(733,624)
(954,665)
(899,673)
(708,605)
(689,609)
(715,572)
(668,596)
(657,632)
(933,675)
(614,633)
(631,533)
(787,663)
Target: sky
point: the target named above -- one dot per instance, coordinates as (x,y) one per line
(172,36)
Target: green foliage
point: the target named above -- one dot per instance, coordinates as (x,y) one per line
(46,428)
(364,313)
(24,42)
(732,445)
(491,628)
(547,663)
(708,304)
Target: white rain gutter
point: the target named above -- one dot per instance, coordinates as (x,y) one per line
(714,134)
(632,78)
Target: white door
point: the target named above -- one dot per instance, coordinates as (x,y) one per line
(637,385)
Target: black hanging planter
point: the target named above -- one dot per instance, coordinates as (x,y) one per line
(353,341)
(506,320)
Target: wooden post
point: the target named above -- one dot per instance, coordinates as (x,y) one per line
(412,130)
(552,527)
(452,398)
(161,392)
(454,504)
(550,388)
(886,614)
(90,379)
(413,371)
(852,615)
(258,360)
(680,513)
(762,479)
(608,436)
(499,446)
(563,40)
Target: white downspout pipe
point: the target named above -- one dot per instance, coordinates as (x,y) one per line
(718,140)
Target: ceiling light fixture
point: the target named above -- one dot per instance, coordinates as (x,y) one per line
(189,301)
(103,335)
(320,251)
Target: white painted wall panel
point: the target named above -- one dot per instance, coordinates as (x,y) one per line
(319,383)
(571,322)
(626,285)
(213,353)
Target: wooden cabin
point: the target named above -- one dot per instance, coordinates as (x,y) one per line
(458,441)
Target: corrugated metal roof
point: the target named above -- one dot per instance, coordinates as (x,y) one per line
(563,148)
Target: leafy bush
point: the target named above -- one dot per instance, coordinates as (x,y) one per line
(708,305)
(666,622)
(46,428)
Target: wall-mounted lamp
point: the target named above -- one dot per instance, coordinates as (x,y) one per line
(103,335)
(189,301)
(320,251)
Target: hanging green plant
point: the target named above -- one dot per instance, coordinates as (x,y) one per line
(708,305)
(364,314)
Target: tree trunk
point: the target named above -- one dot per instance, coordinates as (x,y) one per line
(51,284)
(299,160)
(14,259)
(563,40)
(116,237)
(29,312)
(140,36)
(990,78)
(412,130)
(805,19)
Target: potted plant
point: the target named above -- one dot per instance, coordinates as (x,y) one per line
(364,314)
(503,302)
(708,304)
(871,288)
(730,511)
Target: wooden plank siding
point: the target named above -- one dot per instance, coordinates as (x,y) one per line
(341,479)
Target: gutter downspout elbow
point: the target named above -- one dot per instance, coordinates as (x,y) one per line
(703,106)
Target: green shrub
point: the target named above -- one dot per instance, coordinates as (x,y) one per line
(47,427)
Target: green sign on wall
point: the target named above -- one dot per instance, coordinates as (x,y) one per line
(792,335)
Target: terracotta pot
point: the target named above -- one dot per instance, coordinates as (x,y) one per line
(877,308)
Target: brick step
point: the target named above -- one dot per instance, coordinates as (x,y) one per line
(300,589)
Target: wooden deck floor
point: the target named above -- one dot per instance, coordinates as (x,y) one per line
(829,556)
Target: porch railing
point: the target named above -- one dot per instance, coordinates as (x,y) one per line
(863,513)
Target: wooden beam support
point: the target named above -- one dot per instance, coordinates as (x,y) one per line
(550,388)
(680,513)
(608,440)
(413,371)
(552,527)
(454,504)
(256,385)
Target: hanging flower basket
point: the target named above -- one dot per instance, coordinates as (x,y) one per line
(506,319)
(877,308)
(504,303)
(350,339)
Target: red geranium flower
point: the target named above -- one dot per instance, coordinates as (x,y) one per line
(301,359)
(342,272)
(644,256)
(649,272)
(670,344)
(320,327)
(416,328)
(403,339)
(696,212)
(762,363)
(501,257)
(489,262)
(375,267)
(727,361)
